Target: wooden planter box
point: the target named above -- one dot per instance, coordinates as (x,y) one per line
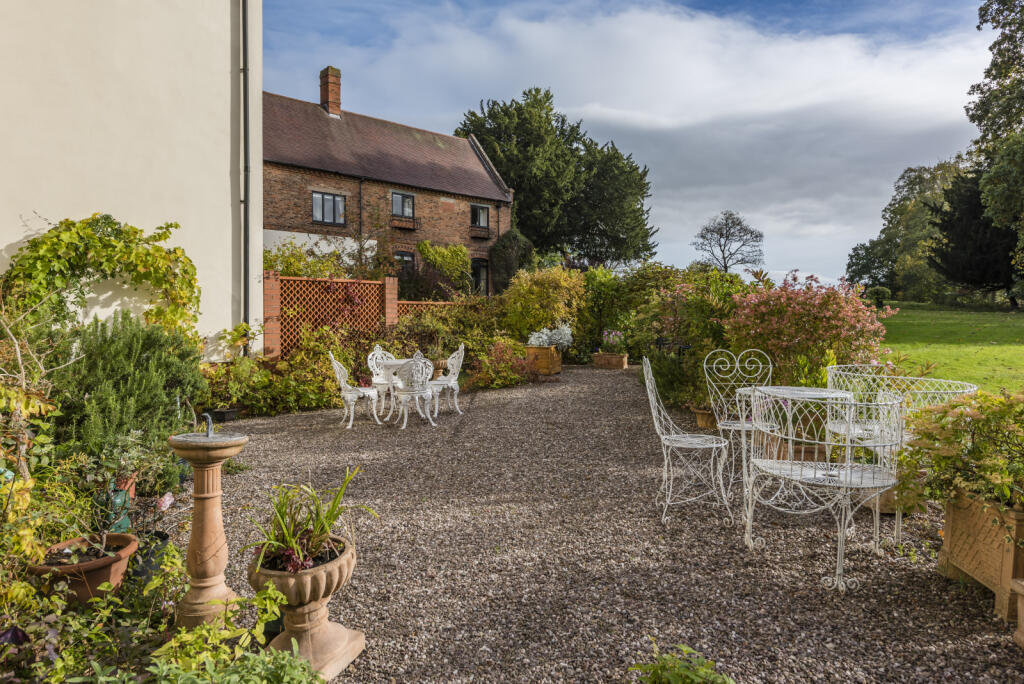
(543,360)
(611,361)
(983,544)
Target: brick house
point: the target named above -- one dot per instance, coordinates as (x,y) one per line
(330,172)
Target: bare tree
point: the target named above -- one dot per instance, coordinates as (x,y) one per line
(728,241)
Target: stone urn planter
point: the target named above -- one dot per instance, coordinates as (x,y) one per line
(543,360)
(327,645)
(84,578)
(611,361)
(982,543)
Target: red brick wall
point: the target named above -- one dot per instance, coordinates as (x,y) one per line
(441,218)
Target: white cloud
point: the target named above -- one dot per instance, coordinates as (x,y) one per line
(802,133)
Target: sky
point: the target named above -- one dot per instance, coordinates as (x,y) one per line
(798,115)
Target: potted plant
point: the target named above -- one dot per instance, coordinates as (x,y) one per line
(613,351)
(972,450)
(544,349)
(86,561)
(302,556)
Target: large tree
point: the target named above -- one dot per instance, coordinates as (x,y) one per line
(728,241)
(998,106)
(898,257)
(573,195)
(970,249)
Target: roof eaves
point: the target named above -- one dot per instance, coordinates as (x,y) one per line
(486,161)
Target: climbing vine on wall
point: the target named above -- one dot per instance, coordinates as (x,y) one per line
(58,268)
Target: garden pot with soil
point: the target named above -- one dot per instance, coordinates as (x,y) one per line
(611,361)
(94,567)
(543,360)
(705,418)
(327,645)
(982,543)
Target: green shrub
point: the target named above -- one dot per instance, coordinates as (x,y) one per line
(541,299)
(509,253)
(504,365)
(451,262)
(877,295)
(133,380)
(603,308)
(681,666)
(279,667)
(332,257)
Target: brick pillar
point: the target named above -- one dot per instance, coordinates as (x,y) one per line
(330,90)
(390,300)
(271,314)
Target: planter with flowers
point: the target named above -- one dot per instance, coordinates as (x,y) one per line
(613,354)
(300,554)
(972,449)
(544,349)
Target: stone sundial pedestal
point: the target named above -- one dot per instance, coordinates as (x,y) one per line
(207,546)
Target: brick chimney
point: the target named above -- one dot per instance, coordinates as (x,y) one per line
(330,90)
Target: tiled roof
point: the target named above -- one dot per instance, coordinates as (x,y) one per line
(303,134)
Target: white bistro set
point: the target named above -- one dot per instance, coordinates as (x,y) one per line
(404,381)
(800,450)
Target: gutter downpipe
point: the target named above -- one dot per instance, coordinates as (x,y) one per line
(245,144)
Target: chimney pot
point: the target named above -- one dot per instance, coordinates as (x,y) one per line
(330,90)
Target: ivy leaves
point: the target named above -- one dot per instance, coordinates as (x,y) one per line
(61,265)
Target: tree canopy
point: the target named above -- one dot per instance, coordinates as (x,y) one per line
(969,248)
(998,106)
(572,194)
(728,241)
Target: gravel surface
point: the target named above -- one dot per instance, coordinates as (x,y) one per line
(520,542)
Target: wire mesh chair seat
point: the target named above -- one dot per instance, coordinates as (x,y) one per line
(691,462)
(351,394)
(817,449)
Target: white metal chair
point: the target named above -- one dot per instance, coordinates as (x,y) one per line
(695,460)
(380,380)
(917,393)
(414,385)
(728,378)
(449,381)
(351,394)
(819,449)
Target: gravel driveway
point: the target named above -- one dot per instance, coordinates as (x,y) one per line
(520,543)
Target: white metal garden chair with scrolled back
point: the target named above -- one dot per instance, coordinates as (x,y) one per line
(414,385)
(350,394)
(917,392)
(691,463)
(380,380)
(449,381)
(729,379)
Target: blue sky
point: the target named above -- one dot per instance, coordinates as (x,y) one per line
(799,115)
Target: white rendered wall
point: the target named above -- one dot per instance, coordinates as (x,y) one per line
(134,108)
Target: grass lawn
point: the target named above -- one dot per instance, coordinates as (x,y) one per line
(983,347)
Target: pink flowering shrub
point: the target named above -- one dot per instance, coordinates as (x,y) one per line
(805,326)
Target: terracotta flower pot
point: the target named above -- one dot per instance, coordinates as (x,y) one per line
(127,484)
(705,418)
(328,646)
(85,578)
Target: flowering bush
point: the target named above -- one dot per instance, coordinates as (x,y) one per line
(560,337)
(613,341)
(804,325)
(972,445)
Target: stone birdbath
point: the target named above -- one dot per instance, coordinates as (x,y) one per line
(207,546)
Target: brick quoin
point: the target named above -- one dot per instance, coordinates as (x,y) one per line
(442,218)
